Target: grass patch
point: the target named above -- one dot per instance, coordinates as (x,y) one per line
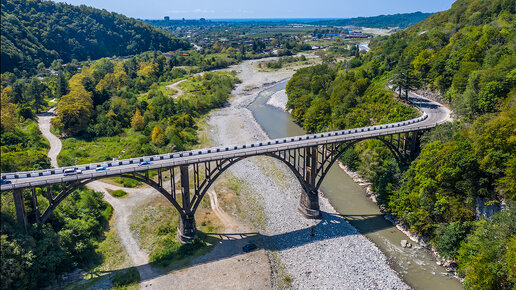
(173,251)
(112,252)
(126,145)
(248,204)
(155,225)
(82,285)
(127,182)
(126,278)
(282,278)
(117,193)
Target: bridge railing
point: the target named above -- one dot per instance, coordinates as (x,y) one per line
(207,154)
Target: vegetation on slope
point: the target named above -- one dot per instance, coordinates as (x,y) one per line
(466,55)
(123,113)
(36,33)
(67,241)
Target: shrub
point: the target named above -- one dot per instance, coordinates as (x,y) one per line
(127,182)
(450,236)
(118,193)
(126,278)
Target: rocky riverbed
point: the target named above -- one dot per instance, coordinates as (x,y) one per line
(337,256)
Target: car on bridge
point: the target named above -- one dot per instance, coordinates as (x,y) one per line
(144,163)
(4,181)
(72,171)
(101,168)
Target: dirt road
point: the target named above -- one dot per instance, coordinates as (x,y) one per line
(55,143)
(175,86)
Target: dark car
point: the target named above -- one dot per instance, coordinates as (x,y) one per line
(249,247)
(144,163)
(3,181)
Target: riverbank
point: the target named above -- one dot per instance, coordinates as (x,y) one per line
(337,256)
(351,195)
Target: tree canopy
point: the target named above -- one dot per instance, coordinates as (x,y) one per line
(36,31)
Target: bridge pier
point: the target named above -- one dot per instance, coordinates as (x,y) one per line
(186,229)
(19,205)
(309,200)
(309,204)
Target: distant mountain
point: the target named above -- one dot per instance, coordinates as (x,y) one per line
(35,31)
(382,21)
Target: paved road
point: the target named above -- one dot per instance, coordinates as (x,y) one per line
(434,113)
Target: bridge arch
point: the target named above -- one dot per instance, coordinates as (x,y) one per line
(207,183)
(400,159)
(54,202)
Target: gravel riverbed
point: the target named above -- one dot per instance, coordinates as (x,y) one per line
(337,257)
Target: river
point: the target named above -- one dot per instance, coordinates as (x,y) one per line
(415,265)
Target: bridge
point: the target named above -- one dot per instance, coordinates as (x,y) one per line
(184,177)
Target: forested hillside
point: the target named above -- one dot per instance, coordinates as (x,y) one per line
(381,21)
(466,55)
(36,33)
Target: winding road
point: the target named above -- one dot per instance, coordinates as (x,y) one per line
(55,143)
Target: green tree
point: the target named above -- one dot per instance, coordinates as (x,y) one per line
(36,90)
(489,96)
(404,78)
(75,109)
(485,257)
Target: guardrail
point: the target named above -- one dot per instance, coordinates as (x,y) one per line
(364,133)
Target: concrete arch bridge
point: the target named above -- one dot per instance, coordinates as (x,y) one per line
(309,158)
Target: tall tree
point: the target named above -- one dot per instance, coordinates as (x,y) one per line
(36,93)
(404,77)
(75,109)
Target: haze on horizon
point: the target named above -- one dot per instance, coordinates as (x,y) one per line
(221,9)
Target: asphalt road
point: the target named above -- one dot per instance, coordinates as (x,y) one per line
(434,114)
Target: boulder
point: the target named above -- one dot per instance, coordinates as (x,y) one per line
(406,244)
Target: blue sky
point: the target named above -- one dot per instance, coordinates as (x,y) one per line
(210,9)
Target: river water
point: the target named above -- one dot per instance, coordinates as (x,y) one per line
(415,265)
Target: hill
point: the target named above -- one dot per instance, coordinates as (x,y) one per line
(402,20)
(35,31)
(460,192)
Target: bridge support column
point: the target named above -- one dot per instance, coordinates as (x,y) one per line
(19,205)
(309,204)
(309,201)
(186,229)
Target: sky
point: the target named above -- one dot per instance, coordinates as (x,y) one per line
(220,9)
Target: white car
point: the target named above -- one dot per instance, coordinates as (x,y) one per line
(71,171)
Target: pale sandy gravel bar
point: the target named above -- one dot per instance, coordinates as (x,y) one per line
(338,257)
(279,100)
